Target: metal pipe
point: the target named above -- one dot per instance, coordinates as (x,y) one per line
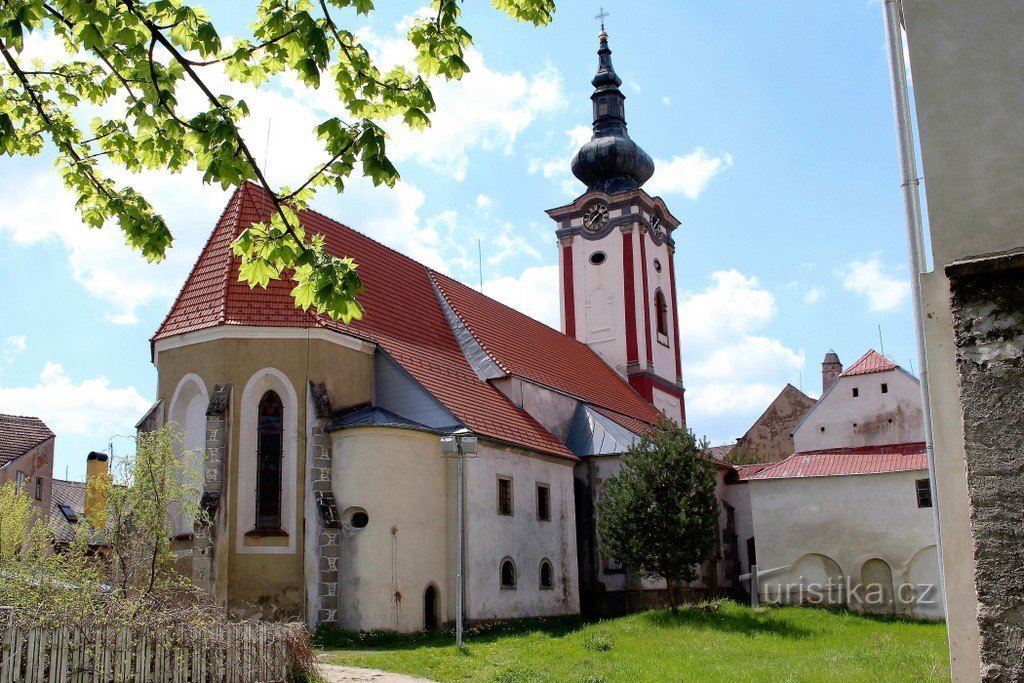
(915,237)
(458,548)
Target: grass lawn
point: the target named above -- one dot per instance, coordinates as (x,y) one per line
(723,642)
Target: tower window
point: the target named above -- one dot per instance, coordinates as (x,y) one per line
(924,493)
(657,265)
(504,496)
(597,258)
(547,575)
(508,574)
(543,502)
(661,313)
(269,453)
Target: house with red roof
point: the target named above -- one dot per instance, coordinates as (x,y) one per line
(848,518)
(26,457)
(319,443)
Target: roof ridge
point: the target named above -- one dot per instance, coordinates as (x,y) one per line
(235,198)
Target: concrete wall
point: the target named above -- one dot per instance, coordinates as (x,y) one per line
(848,521)
(966,60)
(841,420)
(490,537)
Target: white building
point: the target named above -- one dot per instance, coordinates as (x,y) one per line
(847,519)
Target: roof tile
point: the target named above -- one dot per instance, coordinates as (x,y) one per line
(900,457)
(19,435)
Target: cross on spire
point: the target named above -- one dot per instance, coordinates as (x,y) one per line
(601,16)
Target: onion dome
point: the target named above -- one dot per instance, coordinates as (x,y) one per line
(611,162)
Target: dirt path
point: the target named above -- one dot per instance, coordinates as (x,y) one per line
(347,674)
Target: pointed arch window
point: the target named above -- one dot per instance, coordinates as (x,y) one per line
(268,462)
(661,315)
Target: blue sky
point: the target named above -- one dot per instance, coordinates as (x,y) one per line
(771,125)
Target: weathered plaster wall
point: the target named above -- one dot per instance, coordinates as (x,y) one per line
(521,536)
(870,418)
(849,519)
(770,438)
(397,476)
(37,463)
(988,321)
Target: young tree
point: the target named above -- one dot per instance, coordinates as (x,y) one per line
(136,61)
(23,534)
(658,515)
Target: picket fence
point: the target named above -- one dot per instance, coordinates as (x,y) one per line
(231,653)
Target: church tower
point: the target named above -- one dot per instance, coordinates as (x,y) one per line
(618,292)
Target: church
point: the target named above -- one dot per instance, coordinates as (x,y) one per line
(320,443)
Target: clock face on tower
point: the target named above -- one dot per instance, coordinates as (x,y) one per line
(596,217)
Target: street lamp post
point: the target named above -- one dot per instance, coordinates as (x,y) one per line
(458,445)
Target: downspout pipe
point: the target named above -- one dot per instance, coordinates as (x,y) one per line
(910,185)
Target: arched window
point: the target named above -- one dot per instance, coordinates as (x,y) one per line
(547,575)
(508,573)
(268,462)
(661,312)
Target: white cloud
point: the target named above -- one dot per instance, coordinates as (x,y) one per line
(484,202)
(534,292)
(813,295)
(91,407)
(687,175)
(12,346)
(729,369)
(870,278)
(666,100)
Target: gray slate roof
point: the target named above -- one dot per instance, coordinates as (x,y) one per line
(72,494)
(19,435)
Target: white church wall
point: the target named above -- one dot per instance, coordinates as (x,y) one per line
(849,520)
(738,496)
(663,352)
(600,320)
(841,420)
(490,537)
(668,404)
(398,477)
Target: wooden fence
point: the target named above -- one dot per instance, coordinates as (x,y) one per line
(231,653)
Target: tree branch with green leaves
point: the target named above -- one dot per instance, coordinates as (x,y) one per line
(132,61)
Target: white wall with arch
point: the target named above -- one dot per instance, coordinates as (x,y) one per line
(188,409)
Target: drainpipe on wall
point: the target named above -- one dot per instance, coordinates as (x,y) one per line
(915,236)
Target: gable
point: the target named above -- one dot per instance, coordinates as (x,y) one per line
(396,391)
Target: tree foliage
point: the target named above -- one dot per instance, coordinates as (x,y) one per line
(136,61)
(659,516)
(120,568)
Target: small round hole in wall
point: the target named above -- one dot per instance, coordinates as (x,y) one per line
(356,518)
(597,258)
(657,265)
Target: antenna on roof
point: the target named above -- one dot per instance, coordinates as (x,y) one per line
(266,148)
(480,256)
(881,343)
(912,366)
(801,380)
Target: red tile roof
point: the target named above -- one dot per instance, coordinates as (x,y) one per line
(19,435)
(833,462)
(872,361)
(399,290)
(530,349)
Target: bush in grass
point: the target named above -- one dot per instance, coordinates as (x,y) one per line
(659,516)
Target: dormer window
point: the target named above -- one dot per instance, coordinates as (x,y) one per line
(68,513)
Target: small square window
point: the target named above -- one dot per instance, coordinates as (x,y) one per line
(885,388)
(924,493)
(504,496)
(543,502)
(822,430)
(856,392)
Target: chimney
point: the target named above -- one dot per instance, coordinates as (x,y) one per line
(831,368)
(97,472)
